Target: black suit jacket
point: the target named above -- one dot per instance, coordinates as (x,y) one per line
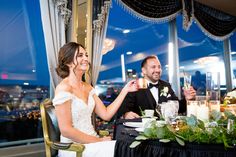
(143,99)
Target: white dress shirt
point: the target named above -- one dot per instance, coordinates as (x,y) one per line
(154,91)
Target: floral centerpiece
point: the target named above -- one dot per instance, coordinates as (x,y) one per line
(191,129)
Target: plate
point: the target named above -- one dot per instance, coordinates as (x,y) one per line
(133,124)
(154,117)
(139,129)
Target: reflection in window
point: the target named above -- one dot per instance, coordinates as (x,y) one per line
(233,53)
(19,112)
(198,54)
(24,77)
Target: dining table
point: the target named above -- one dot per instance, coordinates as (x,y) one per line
(125,135)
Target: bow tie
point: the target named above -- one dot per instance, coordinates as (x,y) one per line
(153,85)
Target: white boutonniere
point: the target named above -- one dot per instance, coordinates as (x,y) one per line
(164,92)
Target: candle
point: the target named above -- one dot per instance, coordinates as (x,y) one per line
(192,108)
(214,105)
(203,113)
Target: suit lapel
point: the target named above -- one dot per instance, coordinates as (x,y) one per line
(150,98)
(160,88)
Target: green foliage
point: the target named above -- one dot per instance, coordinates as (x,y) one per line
(230,115)
(142,112)
(193,130)
(134,144)
(141,137)
(164,140)
(180,141)
(191,121)
(216,116)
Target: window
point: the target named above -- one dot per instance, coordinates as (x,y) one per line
(198,53)
(24,76)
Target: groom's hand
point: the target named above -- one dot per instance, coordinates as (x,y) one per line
(189,93)
(131,115)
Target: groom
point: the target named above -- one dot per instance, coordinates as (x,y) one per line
(158,91)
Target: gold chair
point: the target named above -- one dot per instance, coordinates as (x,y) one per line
(51,132)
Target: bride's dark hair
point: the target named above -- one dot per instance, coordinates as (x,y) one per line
(66,56)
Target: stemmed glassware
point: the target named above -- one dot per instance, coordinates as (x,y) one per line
(158,111)
(187,80)
(168,110)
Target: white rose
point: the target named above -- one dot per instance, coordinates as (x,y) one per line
(164,91)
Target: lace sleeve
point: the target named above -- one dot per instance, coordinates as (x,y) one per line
(61,97)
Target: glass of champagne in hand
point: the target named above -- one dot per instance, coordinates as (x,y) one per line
(187,81)
(142,83)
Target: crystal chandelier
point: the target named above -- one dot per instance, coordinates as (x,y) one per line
(108,45)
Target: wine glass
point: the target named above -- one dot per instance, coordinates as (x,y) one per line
(160,110)
(171,110)
(168,110)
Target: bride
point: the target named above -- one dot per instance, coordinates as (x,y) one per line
(75,100)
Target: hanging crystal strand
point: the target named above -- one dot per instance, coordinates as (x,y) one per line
(63,11)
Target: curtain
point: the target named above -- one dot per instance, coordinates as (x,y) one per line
(152,10)
(99,34)
(55,16)
(214,23)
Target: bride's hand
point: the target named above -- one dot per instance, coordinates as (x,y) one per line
(131,86)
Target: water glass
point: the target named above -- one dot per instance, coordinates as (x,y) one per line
(213,95)
(213,85)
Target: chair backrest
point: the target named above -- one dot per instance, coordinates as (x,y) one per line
(50,125)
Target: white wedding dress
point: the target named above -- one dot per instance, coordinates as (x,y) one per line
(81,119)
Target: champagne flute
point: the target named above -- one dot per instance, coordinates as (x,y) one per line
(187,80)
